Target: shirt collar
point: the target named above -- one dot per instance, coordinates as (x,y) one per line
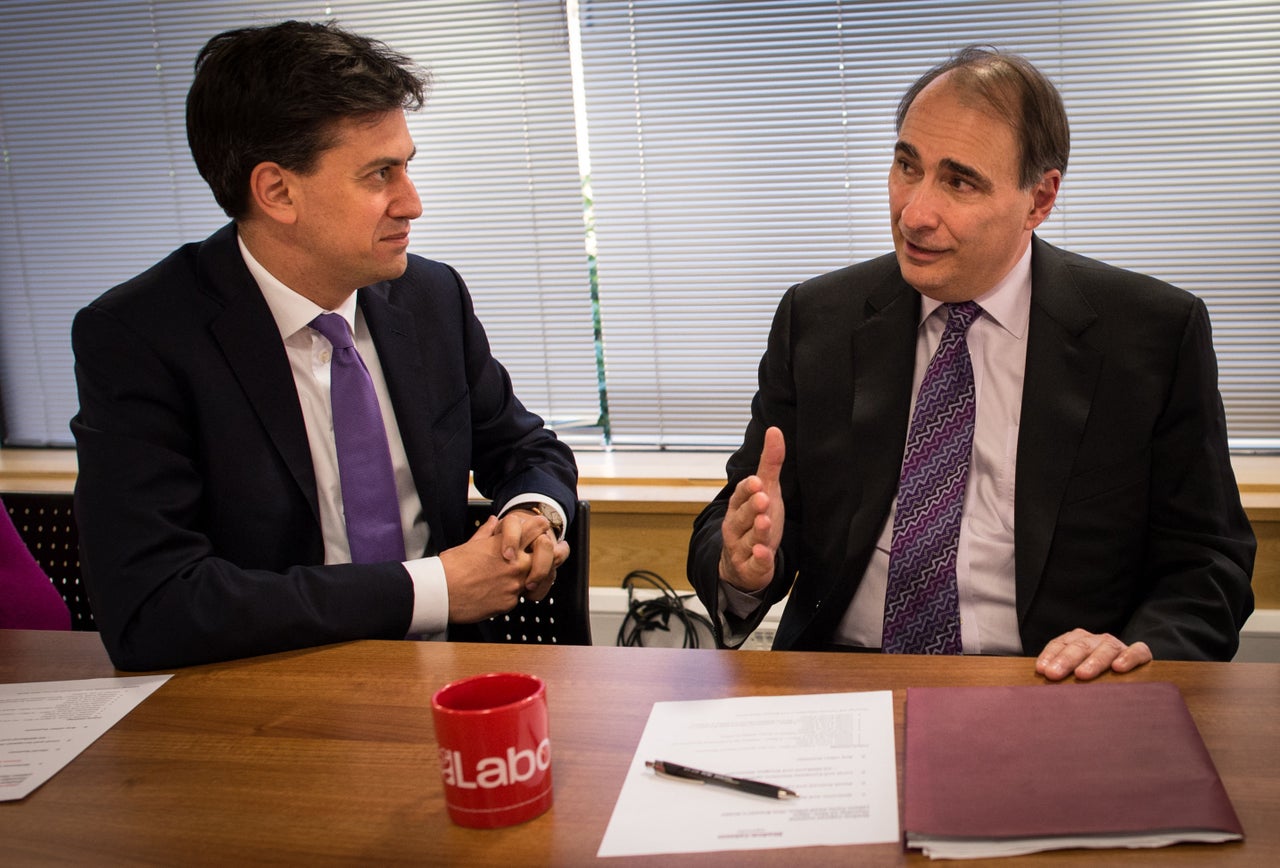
(1008,303)
(291,311)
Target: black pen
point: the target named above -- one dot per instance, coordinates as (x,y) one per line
(697,776)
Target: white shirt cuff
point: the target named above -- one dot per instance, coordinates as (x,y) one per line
(430,596)
(740,603)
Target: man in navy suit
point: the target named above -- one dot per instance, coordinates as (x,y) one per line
(210,498)
(1101,523)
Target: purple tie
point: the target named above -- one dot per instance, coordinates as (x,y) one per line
(922,605)
(369,501)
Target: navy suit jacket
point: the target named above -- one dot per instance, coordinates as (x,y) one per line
(196,494)
(1127,514)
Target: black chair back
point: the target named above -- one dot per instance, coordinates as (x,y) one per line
(46,525)
(45,522)
(563,617)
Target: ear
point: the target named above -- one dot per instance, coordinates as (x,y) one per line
(271,194)
(1043,195)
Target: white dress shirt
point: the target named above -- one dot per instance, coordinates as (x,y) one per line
(985,571)
(309,354)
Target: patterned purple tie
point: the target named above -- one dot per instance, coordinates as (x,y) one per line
(922,606)
(369,501)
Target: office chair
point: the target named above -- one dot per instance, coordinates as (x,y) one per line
(45,524)
(563,617)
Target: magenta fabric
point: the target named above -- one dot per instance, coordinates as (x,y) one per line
(28,600)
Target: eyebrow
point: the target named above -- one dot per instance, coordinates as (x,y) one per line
(978,179)
(388,161)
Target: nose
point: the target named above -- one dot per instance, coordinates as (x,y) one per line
(406,204)
(920,208)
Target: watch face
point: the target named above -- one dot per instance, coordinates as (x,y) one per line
(552,517)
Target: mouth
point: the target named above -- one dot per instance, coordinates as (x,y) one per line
(919,253)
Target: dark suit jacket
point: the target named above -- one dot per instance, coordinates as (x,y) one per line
(196,496)
(1127,515)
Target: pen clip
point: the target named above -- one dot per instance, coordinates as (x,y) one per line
(662,771)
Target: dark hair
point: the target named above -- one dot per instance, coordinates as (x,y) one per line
(274,94)
(1019,93)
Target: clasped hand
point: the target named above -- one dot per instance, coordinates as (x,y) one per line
(504,559)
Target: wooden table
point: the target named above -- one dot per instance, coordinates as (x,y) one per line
(327,756)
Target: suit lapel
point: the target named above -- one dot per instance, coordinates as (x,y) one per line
(883,357)
(250,340)
(400,339)
(1061,374)
(883,363)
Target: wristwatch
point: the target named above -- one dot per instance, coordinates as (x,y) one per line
(552,516)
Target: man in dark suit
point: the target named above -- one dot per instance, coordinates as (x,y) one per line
(1101,523)
(215,508)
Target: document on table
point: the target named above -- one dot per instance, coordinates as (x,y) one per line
(46,724)
(835,750)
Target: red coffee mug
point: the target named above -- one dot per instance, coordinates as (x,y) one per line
(495,748)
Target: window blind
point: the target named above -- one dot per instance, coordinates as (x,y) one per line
(735,148)
(738,148)
(98,182)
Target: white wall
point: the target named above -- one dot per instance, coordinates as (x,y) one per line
(1259,641)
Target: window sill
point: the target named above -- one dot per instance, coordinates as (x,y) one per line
(636,477)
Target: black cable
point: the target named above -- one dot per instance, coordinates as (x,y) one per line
(656,613)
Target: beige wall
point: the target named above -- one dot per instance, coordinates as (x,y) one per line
(644,523)
(635,535)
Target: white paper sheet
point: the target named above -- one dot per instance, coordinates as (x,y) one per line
(836,750)
(46,724)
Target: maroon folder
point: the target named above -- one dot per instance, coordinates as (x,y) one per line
(1010,770)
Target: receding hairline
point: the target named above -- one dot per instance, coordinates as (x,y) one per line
(1011,89)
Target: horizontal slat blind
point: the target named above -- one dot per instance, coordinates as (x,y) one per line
(1175,111)
(740,147)
(96,186)
(497,171)
(736,148)
(98,182)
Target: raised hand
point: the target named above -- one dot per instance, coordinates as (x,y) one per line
(752,527)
